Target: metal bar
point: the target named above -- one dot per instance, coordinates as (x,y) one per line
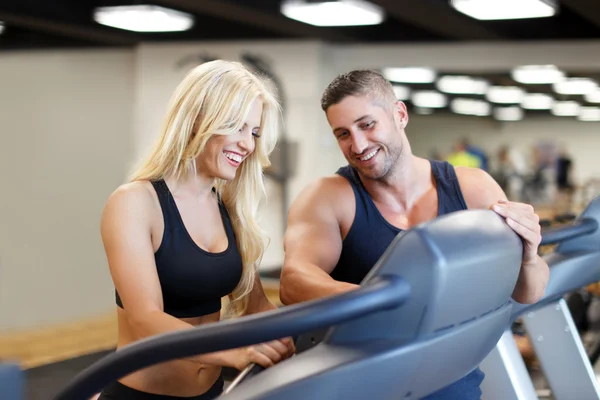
(561,354)
(385,294)
(579,228)
(506,376)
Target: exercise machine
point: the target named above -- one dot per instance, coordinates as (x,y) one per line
(411,329)
(574,263)
(12,385)
(427,278)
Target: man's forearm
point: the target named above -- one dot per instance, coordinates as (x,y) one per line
(532,282)
(296,287)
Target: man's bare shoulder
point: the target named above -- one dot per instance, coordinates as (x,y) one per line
(332,188)
(479,189)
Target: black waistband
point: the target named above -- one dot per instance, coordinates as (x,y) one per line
(118,391)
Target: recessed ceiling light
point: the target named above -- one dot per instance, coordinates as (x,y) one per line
(513,113)
(589,114)
(478,108)
(462,85)
(429,99)
(593,97)
(537,101)
(423,111)
(401,92)
(410,75)
(505,9)
(537,74)
(575,86)
(144,18)
(505,94)
(565,108)
(333,13)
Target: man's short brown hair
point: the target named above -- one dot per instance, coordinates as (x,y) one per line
(359,82)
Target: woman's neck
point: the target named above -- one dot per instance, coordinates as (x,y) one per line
(196,185)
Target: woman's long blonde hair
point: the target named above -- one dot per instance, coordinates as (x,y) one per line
(214,99)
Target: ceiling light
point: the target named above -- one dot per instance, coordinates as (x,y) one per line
(429,99)
(593,97)
(470,107)
(401,92)
(505,9)
(565,108)
(333,13)
(143,18)
(505,94)
(537,74)
(537,101)
(462,85)
(575,86)
(1,27)
(410,75)
(508,113)
(589,114)
(423,111)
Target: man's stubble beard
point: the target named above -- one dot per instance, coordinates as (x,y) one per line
(389,165)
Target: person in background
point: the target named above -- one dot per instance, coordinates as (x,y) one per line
(461,157)
(477,152)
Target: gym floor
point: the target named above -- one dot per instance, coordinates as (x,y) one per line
(44,382)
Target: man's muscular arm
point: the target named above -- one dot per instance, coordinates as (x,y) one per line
(481,191)
(312,244)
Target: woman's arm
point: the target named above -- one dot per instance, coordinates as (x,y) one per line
(259,302)
(126,235)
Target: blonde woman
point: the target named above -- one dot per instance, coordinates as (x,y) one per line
(182,233)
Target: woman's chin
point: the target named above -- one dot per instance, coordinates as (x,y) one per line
(226,175)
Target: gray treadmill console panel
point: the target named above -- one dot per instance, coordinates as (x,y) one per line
(462,269)
(459,267)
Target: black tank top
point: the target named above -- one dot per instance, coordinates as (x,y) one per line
(371,234)
(192,280)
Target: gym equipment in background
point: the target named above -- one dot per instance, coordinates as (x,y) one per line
(574,264)
(11,381)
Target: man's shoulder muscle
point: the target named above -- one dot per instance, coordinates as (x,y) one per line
(332,191)
(479,189)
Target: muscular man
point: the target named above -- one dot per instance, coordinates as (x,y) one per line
(340,225)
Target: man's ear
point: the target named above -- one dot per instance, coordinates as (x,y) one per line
(402,114)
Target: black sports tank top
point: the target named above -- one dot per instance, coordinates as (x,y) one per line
(193,281)
(371,234)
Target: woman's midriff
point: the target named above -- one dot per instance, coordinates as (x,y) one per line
(174,378)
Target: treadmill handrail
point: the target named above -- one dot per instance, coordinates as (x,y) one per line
(386,293)
(582,227)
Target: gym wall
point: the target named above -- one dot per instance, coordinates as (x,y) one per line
(66,137)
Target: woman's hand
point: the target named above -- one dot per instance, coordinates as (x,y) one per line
(264,354)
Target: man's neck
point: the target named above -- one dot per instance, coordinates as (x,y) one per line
(409,180)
